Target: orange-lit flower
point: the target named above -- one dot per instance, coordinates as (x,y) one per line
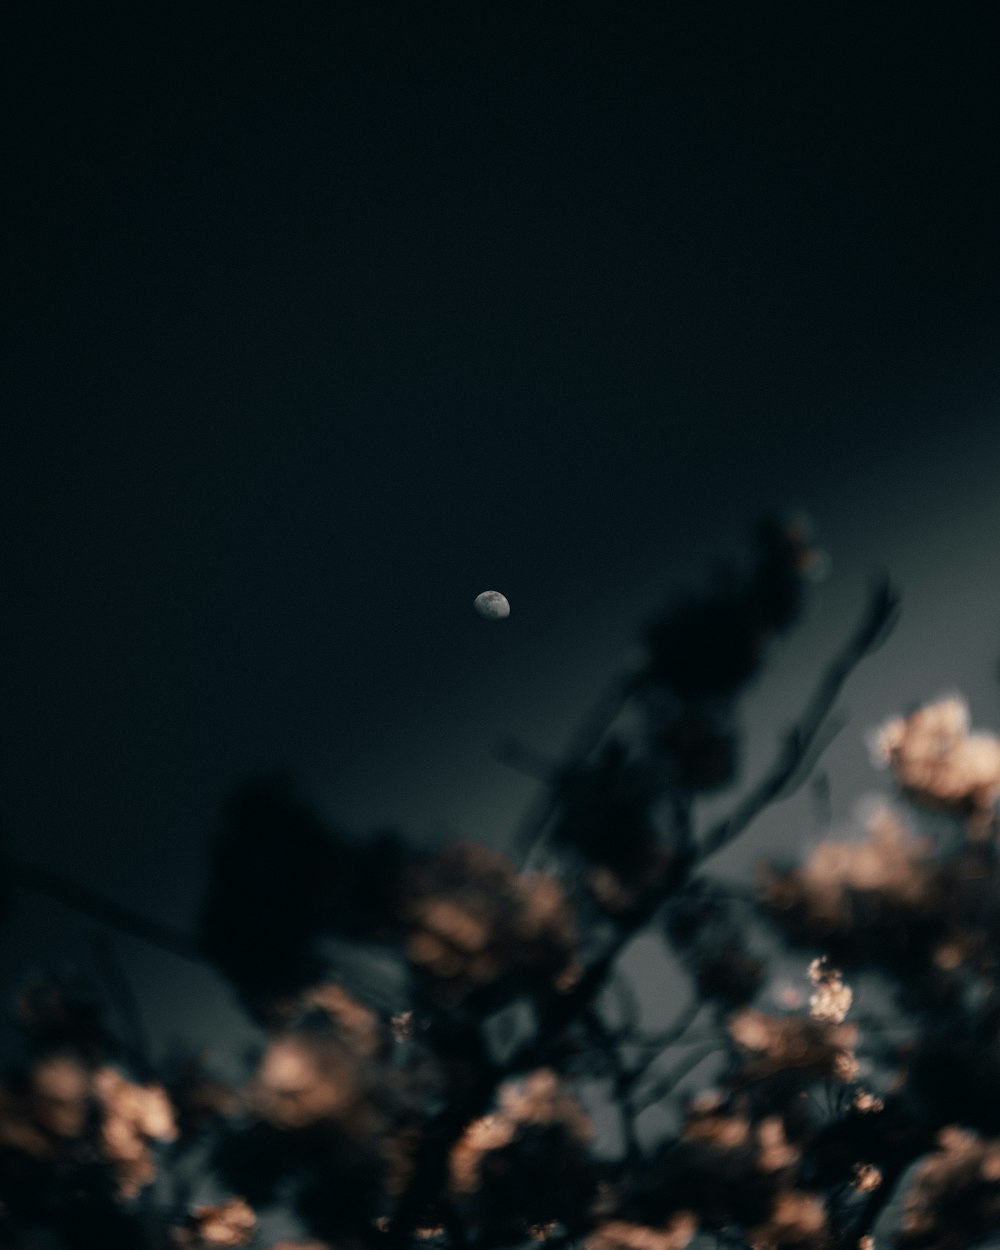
(831,998)
(475,921)
(799,1043)
(955,1190)
(797,1222)
(305,1080)
(133,1117)
(224,1227)
(60,1096)
(937,761)
(676,1234)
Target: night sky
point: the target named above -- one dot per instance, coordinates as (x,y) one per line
(321,319)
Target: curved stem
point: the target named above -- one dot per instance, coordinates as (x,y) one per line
(98,907)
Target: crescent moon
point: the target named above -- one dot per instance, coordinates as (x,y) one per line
(492,604)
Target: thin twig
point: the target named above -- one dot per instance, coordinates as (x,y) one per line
(98,907)
(526,761)
(621,1084)
(531,835)
(669,1081)
(125,1003)
(881,613)
(877,1200)
(106,911)
(822,805)
(664,1042)
(880,617)
(627,1002)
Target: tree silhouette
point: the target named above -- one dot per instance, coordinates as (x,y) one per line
(445,1031)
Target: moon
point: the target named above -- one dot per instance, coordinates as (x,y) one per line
(492,605)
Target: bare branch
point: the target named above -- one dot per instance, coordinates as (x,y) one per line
(621,1083)
(669,1081)
(131,923)
(98,907)
(878,1200)
(787,773)
(880,615)
(526,760)
(627,1002)
(126,1004)
(531,835)
(664,1041)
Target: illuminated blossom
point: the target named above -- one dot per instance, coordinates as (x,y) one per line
(60,1096)
(866,1177)
(676,1234)
(540,1099)
(831,999)
(890,863)
(537,1101)
(527,1161)
(866,1102)
(306,1079)
(797,1222)
(61,1101)
(955,1196)
(937,761)
(474,922)
(225,1227)
(774,1152)
(798,1043)
(133,1117)
(734,1131)
(402,1026)
(728,1132)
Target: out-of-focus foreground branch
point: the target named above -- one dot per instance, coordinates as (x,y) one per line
(435,1022)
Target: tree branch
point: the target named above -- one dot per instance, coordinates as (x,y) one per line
(526,761)
(621,1083)
(663,1042)
(558,1011)
(880,617)
(90,903)
(669,1081)
(125,920)
(531,834)
(125,1003)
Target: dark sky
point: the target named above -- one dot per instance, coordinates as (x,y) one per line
(320,319)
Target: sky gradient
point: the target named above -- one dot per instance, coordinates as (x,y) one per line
(319,322)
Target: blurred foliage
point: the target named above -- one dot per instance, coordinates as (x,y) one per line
(833,1069)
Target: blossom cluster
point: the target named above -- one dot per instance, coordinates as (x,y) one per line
(450,1101)
(474,923)
(65,1110)
(955,1196)
(527,1162)
(940,764)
